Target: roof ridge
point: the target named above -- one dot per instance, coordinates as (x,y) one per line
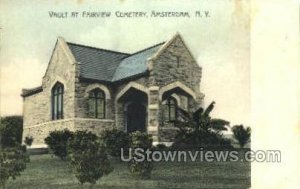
(147,48)
(97,48)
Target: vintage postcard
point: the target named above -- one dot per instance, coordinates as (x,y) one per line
(149,94)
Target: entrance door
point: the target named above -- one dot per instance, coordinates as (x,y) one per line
(136,117)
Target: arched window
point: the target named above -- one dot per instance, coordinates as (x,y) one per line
(57,98)
(97,104)
(170,109)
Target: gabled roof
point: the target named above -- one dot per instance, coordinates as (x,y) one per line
(107,65)
(95,63)
(110,66)
(135,64)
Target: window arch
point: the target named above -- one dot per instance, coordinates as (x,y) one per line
(170,110)
(57,98)
(97,104)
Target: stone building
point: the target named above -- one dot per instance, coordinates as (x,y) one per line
(87,88)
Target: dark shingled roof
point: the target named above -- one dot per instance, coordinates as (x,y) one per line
(106,65)
(98,64)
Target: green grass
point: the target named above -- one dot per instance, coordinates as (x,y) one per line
(45,172)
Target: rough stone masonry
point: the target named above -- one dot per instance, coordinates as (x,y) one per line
(146,80)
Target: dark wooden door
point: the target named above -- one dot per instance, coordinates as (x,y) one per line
(136,117)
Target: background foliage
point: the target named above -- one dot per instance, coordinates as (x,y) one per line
(11,129)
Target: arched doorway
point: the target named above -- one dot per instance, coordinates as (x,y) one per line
(136,117)
(131,109)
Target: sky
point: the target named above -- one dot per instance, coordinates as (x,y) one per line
(220,43)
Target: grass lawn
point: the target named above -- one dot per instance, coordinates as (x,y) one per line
(45,171)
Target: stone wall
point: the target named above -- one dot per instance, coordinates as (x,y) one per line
(61,68)
(36,109)
(94,125)
(82,90)
(166,70)
(40,131)
(176,64)
(167,133)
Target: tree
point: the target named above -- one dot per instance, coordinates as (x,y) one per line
(88,157)
(201,119)
(11,129)
(12,162)
(57,142)
(242,134)
(198,129)
(13,156)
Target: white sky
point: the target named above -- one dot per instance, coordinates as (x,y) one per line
(220,44)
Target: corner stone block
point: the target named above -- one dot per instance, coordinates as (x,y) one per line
(153,113)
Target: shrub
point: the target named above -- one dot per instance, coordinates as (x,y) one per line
(57,142)
(88,157)
(114,140)
(140,140)
(140,169)
(242,134)
(11,129)
(28,140)
(12,162)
